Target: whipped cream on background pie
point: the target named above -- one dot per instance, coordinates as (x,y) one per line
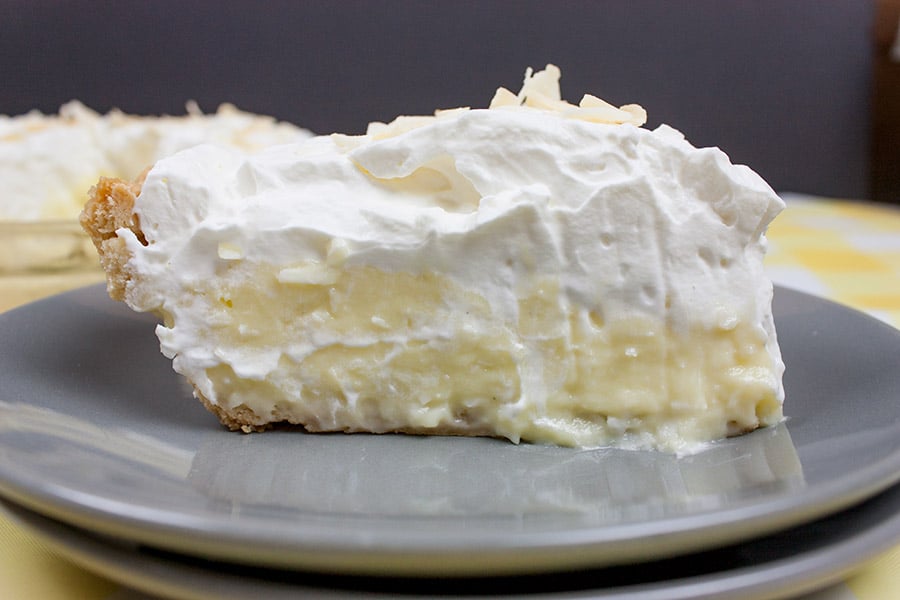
(49,162)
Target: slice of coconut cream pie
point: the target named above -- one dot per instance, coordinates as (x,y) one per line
(538,271)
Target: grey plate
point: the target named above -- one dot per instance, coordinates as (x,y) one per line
(795,561)
(96,430)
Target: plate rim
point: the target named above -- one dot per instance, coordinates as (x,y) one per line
(811,570)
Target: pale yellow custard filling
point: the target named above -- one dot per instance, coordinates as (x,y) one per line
(362,349)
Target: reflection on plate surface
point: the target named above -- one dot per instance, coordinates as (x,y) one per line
(501,480)
(342,474)
(97,430)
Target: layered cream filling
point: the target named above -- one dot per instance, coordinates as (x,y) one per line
(370,350)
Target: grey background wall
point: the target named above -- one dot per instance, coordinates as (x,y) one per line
(781,85)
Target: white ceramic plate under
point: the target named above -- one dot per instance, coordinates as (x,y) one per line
(97,431)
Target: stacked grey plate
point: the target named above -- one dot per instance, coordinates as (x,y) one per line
(105,455)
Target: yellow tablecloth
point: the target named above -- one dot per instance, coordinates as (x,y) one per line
(846,251)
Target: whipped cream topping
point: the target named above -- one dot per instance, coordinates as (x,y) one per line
(48,162)
(440,195)
(627,223)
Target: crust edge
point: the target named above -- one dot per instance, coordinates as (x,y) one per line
(109,208)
